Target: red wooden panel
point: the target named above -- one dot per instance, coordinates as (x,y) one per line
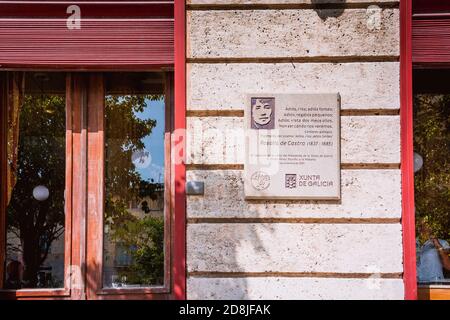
(179,153)
(407,159)
(98,44)
(428,6)
(431,40)
(88,9)
(3,170)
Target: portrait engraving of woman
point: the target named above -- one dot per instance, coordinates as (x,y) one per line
(263,113)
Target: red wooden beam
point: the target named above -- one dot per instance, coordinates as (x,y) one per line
(407,158)
(430,6)
(92,9)
(431,40)
(99,44)
(178,153)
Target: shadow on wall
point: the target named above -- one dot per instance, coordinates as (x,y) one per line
(226,259)
(328,9)
(224,251)
(222,248)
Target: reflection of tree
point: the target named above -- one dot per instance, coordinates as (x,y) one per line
(143,237)
(41,154)
(432,141)
(144,241)
(41,161)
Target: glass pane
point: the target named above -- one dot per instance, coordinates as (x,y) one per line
(432,186)
(35,180)
(133,252)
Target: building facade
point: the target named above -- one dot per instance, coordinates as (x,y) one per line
(349,249)
(195,62)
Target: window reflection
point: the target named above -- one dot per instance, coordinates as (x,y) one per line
(432,186)
(133,250)
(35,180)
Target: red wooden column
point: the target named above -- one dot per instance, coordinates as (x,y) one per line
(77,99)
(407,158)
(3,165)
(178,153)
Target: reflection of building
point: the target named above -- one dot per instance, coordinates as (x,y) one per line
(117,256)
(155,206)
(51,272)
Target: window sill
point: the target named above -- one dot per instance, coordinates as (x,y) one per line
(433,292)
(33,293)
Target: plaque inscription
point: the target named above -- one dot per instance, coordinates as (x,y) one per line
(292,147)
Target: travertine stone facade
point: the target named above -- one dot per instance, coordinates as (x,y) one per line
(368,85)
(273,249)
(365,194)
(293,287)
(368,139)
(290,33)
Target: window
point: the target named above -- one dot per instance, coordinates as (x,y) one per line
(87,205)
(134,171)
(35,176)
(432,176)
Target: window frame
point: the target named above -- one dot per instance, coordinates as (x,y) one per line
(83,245)
(38,292)
(178,144)
(407,158)
(407,7)
(422,85)
(96,199)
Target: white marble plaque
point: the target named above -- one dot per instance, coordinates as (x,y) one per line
(292,148)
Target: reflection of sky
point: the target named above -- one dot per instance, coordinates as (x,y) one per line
(154,143)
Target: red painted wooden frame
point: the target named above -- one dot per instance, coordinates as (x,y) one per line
(407,159)
(178,151)
(427,40)
(96,197)
(112,35)
(178,285)
(3,168)
(430,34)
(429,6)
(90,9)
(36,293)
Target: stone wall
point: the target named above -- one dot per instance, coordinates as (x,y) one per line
(273,249)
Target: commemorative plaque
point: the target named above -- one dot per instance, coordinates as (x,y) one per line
(292,147)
